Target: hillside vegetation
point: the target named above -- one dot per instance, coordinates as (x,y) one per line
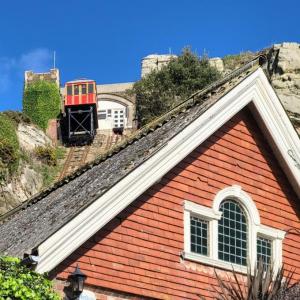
(28,161)
(9,146)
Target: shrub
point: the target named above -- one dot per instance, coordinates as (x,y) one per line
(18,282)
(162,90)
(17,117)
(232,62)
(46,154)
(41,102)
(264,284)
(9,147)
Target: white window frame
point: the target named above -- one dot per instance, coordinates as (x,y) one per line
(213,215)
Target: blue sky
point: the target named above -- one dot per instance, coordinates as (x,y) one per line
(105,40)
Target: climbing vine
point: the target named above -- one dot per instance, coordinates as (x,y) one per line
(41,102)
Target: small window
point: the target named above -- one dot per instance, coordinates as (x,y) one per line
(109,112)
(102,114)
(83,89)
(199,236)
(264,251)
(91,88)
(76,89)
(69,90)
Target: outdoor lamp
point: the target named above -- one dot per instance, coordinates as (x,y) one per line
(77,279)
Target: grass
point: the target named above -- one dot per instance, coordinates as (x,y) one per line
(50,172)
(232,62)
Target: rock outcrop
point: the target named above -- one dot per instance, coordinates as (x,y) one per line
(30,137)
(284,67)
(21,187)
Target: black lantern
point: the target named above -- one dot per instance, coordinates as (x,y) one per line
(77,279)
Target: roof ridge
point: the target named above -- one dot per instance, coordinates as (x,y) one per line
(150,127)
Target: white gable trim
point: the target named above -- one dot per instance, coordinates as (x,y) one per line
(254,89)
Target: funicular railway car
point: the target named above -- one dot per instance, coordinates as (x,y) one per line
(80,111)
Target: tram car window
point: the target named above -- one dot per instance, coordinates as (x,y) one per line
(83,89)
(76,89)
(69,90)
(91,88)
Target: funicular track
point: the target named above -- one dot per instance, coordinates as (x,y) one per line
(76,158)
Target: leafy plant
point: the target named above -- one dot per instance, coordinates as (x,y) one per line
(9,147)
(19,282)
(264,284)
(46,154)
(41,102)
(162,90)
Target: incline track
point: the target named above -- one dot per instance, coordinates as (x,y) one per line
(79,155)
(76,158)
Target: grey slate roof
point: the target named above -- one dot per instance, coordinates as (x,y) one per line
(33,222)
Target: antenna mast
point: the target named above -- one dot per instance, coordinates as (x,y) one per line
(54,57)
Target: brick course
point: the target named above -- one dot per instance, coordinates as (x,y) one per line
(138,252)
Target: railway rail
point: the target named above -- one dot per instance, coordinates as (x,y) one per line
(76,158)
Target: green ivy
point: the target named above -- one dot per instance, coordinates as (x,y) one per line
(41,102)
(9,147)
(18,282)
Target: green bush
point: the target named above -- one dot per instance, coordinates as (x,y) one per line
(41,102)
(47,155)
(9,147)
(18,282)
(161,90)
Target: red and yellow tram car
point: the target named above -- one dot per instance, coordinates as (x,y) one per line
(80,110)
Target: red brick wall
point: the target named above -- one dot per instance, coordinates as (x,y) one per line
(138,252)
(51,130)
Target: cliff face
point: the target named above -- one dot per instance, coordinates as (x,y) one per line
(284,68)
(28,179)
(284,71)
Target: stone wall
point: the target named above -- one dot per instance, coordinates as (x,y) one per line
(154,62)
(52,76)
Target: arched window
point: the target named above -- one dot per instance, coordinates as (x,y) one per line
(232,233)
(229,235)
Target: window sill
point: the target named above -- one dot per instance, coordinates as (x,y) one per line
(214,263)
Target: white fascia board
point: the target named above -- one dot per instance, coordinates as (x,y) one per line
(72,235)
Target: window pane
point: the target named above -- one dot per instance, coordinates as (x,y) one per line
(69,90)
(199,236)
(76,89)
(102,114)
(91,88)
(264,251)
(232,233)
(83,89)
